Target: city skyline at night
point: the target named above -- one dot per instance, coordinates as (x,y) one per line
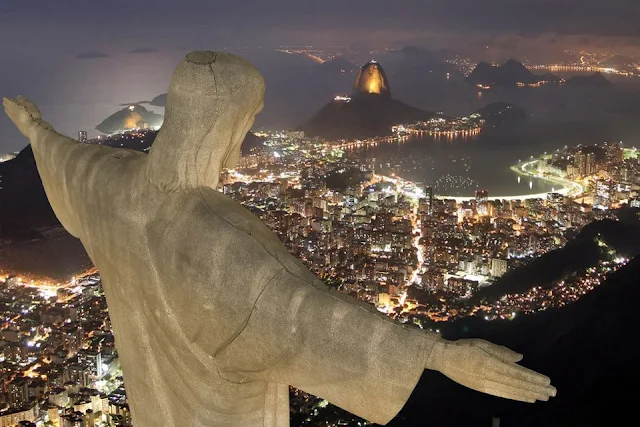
(432,219)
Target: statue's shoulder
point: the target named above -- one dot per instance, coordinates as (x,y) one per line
(232,218)
(246,225)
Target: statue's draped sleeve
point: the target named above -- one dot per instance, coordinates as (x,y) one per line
(302,335)
(66,168)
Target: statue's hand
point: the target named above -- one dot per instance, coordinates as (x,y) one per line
(489,368)
(23,113)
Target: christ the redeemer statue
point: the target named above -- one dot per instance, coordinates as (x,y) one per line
(213,318)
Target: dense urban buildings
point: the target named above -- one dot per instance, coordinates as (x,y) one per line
(382,238)
(58,358)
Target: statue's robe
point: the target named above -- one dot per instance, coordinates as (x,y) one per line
(213,318)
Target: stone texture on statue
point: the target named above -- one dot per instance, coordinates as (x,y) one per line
(213,318)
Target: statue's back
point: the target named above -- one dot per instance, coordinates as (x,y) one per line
(171,265)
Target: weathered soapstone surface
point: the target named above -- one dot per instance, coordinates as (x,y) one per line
(213,318)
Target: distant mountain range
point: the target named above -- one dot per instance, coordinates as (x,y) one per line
(619,61)
(130,117)
(160,100)
(123,120)
(368,112)
(510,73)
(373,116)
(371,111)
(361,117)
(596,80)
(23,203)
(498,113)
(513,73)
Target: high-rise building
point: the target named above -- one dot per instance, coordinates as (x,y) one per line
(482,202)
(573,170)
(91,360)
(498,267)
(581,163)
(428,200)
(82,136)
(605,192)
(18,392)
(591,164)
(555,200)
(585,163)
(622,174)
(76,374)
(482,196)
(614,153)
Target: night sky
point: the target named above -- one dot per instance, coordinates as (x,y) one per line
(279,16)
(128,48)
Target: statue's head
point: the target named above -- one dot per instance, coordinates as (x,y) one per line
(211,105)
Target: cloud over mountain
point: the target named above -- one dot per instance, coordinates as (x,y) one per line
(92,54)
(145,50)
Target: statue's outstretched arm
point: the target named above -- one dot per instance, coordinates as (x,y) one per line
(303,335)
(63,163)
